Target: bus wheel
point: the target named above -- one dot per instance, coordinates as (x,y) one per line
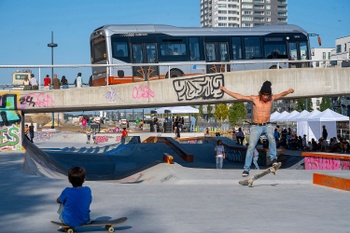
(174,73)
(275,67)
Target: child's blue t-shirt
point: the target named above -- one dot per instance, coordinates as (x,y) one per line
(76,203)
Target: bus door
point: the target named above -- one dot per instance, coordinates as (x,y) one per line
(144,53)
(298,51)
(217,52)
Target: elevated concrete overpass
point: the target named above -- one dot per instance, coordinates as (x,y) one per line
(307,82)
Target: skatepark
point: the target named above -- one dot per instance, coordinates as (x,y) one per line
(132,180)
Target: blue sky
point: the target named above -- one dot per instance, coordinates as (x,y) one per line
(27,25)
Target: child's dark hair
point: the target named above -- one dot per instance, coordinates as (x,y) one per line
(219,142)
(76,176)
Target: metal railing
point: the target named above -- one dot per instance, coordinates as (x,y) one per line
(278,64)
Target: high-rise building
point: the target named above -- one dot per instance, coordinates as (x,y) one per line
(243,13)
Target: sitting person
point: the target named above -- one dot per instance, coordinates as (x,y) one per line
(75,201)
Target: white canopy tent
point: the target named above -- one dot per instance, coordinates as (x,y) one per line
(302,126)
(281,116)
(291,116)
(274,116)
(178,110)
(327,118)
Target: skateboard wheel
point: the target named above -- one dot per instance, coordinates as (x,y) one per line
(70,230)
(110,229)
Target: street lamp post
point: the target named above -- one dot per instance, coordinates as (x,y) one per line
(52,45)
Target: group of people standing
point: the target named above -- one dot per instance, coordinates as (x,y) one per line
(63,83)
(30,84)
(55,83)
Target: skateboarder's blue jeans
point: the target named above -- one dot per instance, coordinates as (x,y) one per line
(255,132)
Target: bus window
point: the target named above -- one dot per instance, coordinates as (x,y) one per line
(210,52)
(236,48)
(120,51)
(252,47)
(137,53)
(173,50)
(275,47)
(303,51)
(151,52)
(223,51)
(194,49)
(293,52)
(98,50)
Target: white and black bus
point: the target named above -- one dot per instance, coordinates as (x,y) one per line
(144,52)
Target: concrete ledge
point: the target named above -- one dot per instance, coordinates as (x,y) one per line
(331,181)
(326,161)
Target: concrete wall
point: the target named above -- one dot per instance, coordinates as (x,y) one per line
(185,91)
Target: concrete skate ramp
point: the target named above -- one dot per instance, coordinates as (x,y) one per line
(120,163)
(56,164)
(37,162)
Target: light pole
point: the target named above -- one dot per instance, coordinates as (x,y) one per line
(52,45)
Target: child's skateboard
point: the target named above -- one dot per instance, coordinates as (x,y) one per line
(249,181)
(108,224)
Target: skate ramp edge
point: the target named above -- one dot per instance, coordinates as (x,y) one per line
(37,162)
(331,181)
(57,164)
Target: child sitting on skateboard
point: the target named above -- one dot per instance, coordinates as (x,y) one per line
(75,201)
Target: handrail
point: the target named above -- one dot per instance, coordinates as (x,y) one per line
(257,61)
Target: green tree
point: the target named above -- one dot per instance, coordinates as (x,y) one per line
(200,109)
(237,113)
(209,111)
(301,105)
(325,103)
(221,112)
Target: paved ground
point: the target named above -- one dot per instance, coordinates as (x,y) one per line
(173,198)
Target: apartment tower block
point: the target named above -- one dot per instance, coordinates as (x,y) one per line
(242,13)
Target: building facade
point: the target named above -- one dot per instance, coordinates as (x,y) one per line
(242,13)
(340,55)
(321,57)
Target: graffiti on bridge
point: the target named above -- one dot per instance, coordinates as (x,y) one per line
(112,96)
(9,113)
(37,100)
(142,92)
(203,87)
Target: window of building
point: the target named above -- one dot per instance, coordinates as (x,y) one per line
(345,47)
(324,55)
(338,48)
(318,102)
(247,6)
(329,55)
(245,18)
